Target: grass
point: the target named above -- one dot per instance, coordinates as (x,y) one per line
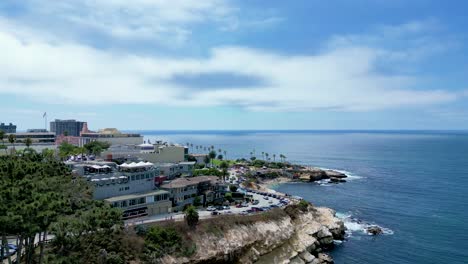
(217,162)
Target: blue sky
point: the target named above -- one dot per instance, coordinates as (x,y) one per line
(225,64)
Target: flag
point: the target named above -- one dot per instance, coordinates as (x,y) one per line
(44,115)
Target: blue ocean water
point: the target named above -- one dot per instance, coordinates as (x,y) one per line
(413,183)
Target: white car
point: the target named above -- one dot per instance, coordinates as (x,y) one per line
(210,208)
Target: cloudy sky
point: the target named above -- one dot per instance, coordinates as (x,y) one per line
(226,64)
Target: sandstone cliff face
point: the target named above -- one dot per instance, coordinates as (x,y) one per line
(298,238)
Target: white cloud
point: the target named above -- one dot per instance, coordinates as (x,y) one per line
(342,78)
(165,22)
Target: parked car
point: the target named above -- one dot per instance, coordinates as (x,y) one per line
(220,208)
(210,208)
(250,211)
(255,202)
(257,209)
(11,251)
(226,207)
(274,206)
(270,202)
(266,198)
(238,205)
(244,204)
(215,213)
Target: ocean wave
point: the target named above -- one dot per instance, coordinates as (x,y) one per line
(354,225)
(351,176)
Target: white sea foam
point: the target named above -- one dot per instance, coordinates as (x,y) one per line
(354,225)
(351,176)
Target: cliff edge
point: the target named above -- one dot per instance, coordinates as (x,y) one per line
(293,235)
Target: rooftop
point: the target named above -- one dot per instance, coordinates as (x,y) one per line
(183,182)
(136,195)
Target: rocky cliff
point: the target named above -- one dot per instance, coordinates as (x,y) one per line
(299,236)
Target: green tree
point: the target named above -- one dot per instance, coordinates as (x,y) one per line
(96,147)
(197,201)
(233,188)
(220,157)
(206,159)
(228,196)
(212,156)
(28,142)
(2,137)
(191,216)
(66,149)
(12,140)
(224,167)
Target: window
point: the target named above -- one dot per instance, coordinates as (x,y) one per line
(123,204)
(127,188)
(115,204)
(142,200)
(132,202)
(133,177)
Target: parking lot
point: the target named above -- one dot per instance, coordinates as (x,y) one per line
(266,201)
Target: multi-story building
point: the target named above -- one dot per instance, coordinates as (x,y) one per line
(173,170)
(164,153)
(184,190)
(69,127)
(127,186)
(8,128)
(112,136)
(36,137)
(142,204)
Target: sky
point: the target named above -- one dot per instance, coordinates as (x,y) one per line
(227,64)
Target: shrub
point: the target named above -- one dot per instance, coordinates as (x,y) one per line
(232,188)
(303,205)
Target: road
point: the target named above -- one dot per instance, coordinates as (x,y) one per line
(203,213)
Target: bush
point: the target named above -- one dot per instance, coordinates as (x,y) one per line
(233,188)
(163,240)
(303,205)
(191,216)
(228,196)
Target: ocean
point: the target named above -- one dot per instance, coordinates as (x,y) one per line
(414,184)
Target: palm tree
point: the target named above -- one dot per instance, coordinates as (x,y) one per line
(274,157)
(219,150)
(263,154)
(251,154)
(224,166)
(196,147)
(12,140)
(266,155)
(225,157)
(191,145)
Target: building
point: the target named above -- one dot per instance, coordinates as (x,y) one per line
(173,170)
(183,191)
(129,186)
(160,153)
(199,158)
(36,137)
(69,127)
(8,128)
(111,180)
(142,204)
(112,136)
(37,130)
